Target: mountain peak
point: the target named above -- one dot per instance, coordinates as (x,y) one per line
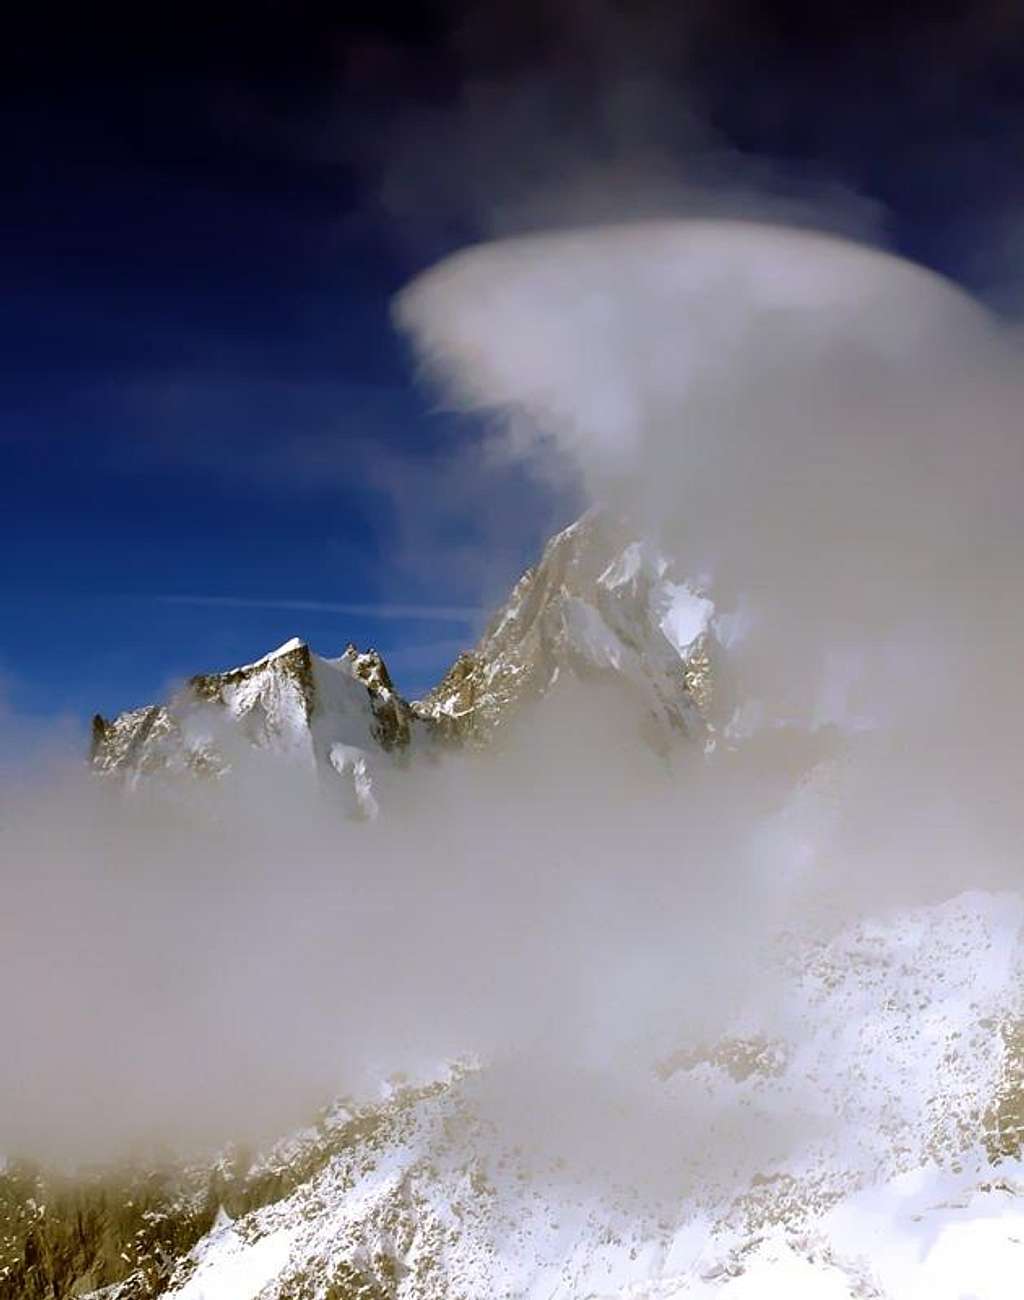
(294,643)
(599,604)
(330,715)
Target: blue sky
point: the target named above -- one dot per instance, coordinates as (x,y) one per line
(205,398)
(212,438)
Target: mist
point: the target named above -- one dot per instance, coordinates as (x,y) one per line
(824,436)
(824,439)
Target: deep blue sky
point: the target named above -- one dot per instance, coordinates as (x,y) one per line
(205,214)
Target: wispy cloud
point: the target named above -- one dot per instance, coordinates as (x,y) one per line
(389,612)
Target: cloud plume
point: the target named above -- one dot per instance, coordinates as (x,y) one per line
(824,438)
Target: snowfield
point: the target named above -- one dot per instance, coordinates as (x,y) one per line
(855,1159)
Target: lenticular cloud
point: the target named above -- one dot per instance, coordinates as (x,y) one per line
(597,333)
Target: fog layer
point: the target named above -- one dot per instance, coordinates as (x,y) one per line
(825,439)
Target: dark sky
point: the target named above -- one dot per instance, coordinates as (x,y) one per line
(205,212)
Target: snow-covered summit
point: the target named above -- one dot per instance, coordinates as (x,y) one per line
(337,717)
(600,604)
(293,643)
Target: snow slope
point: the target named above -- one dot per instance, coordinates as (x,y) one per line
(852,1159)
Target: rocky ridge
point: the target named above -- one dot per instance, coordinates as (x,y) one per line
(599,604)
(328,715)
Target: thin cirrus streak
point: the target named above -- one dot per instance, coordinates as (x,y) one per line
(440,613)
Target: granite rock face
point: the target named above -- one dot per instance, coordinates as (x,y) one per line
(599,605)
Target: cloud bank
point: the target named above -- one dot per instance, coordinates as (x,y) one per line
(824,437)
